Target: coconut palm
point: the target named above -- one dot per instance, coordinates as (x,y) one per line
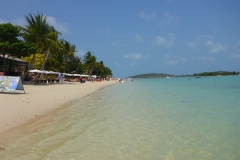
(38,32)
(89,62)
(52,46)
(99,69)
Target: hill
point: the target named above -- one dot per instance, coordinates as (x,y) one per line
(152,75)
(164,75)
(217,73)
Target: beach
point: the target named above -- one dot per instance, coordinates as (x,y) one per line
(17,109)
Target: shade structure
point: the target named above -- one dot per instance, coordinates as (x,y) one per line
(52,72)
(83,75)
(35,71)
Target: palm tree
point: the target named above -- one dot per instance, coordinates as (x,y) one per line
(68,51)
(52,46)
(89,62)
(38,32)
(99,69)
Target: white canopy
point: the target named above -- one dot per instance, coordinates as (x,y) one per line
(35,71)
(65,74)
(43,71)
(83,75)
(52,72)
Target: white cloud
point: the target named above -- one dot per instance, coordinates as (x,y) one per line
(21,21)
(143,15)
(207,58)
(238,43)
(183,59)
(138,38)
(174,60)
(215,48)
(236,56)
(198,40)
(169,19)
(191,44)
(203,37)
(167,56)
(2,21)
(161,41)
(133,56)
(117,64)
(80,53)
(118,42)
(18,21)
(133,63)
(58,26)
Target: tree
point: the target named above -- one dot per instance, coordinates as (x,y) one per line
(107,72)
(99,69)
(10,45)
(52,45)
(36,32)
(38,60)
(68,51)
(74,65)
(8,35)
(89,62)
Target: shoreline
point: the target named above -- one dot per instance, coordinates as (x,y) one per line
(41,101)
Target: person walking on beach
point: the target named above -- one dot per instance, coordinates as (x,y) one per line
(59,78)
(80,80)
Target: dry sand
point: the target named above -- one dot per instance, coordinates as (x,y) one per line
(39,100)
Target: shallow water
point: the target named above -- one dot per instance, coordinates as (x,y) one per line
(176,118)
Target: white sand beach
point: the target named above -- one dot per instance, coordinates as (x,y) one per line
(39,100)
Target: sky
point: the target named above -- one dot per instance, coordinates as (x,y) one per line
(143,36)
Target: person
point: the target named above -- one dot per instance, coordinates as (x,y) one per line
(132,79)
(59,78)
(80,80)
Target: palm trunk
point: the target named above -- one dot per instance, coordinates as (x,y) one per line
(30,66)
(44,64)
(45,61)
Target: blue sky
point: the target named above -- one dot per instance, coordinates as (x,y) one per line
(143,36)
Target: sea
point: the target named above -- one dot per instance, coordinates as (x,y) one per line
(180,118)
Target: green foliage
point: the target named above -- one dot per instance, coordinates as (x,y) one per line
(38,61)
(21,48)
(218,73)
(89,62)
(9,33)
(43,50)
(12,46)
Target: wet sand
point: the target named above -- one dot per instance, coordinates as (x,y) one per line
(17,109)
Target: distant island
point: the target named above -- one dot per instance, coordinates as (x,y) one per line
(164,75)
(152,75)
(218,73)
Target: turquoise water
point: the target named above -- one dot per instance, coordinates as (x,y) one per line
(175,118)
